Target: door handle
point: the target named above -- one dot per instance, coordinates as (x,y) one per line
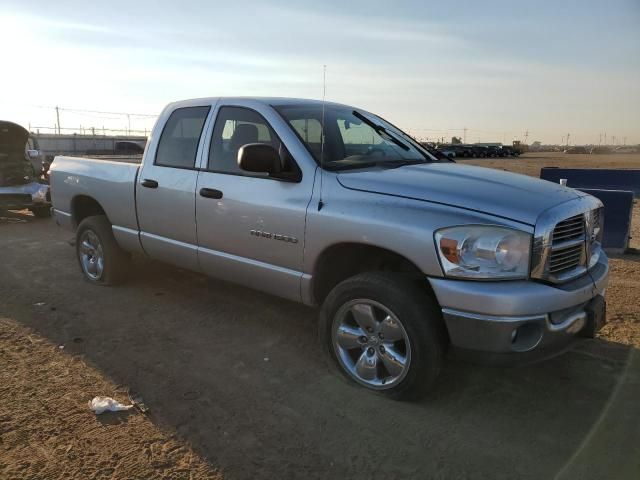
(210,193)
(149,183)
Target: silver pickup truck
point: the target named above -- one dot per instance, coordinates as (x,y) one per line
(333,206)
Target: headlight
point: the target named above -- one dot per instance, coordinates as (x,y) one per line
(483,252)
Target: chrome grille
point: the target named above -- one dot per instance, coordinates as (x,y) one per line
(569,229)
(567,245)
(564,246)
(566,258)
(597,219)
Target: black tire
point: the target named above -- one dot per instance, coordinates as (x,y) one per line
(116,260)
(418,313)
(41,212)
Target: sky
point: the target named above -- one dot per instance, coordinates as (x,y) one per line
(498,69)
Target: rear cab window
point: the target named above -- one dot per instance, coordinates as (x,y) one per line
(179,140)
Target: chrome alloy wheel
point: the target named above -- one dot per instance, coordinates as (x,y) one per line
(91,255)
(371,344)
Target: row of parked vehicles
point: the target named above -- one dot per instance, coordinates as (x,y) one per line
(477,151)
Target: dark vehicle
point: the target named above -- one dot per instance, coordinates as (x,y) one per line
(439,154)
(20,186)
(509,151)
(576,150)
(493,151)
(121,147)
(446,150)
(461,151)
(479,151)
(125,147)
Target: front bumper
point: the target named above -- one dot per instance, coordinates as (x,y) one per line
(523,320)
(18,197)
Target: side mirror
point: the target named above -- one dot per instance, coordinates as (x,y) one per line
(259,158)
(33,154)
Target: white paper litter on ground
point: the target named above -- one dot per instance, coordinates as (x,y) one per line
(107,404)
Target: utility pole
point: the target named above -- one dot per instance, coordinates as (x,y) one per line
(464,137)
(600,140)
(526,136)
(605,138)
(613,139)
(568,135)
(58,118)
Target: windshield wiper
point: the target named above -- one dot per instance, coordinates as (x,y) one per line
(381,130)
(337,165)
(387,164)
(399,163)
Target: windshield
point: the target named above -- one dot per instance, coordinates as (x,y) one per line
(353,139)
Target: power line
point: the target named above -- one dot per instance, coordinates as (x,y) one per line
(108,113)
(82,110)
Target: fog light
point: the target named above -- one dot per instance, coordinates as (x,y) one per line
(526,337)
(576,326)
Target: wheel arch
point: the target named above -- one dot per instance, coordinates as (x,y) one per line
(83,206)
(343,260)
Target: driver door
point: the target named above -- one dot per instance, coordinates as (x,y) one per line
(250,226)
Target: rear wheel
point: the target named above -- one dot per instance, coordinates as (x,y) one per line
(384,333)
(101,259)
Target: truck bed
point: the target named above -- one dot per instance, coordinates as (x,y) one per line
(111,182)
(114,158)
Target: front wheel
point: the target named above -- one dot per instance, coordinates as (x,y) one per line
(385,333)
(101,259)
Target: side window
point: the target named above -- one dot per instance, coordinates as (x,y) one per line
(178,143)
(235,127)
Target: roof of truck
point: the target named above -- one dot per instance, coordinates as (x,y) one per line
(280,101)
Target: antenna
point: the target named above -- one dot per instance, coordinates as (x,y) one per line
(324,92)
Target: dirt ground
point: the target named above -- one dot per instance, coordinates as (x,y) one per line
(238,389)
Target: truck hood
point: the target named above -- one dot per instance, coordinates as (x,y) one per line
(15,169)
(13,137)
(495,192)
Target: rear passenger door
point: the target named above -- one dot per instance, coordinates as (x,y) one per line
(165,190)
